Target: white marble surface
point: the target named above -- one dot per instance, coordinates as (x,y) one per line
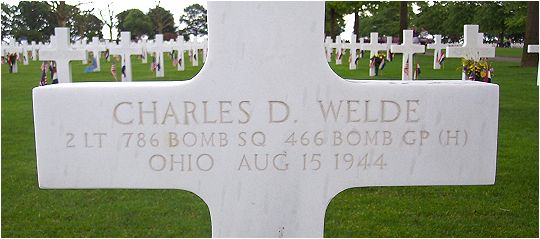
(266,99)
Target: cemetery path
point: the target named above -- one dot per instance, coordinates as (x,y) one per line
(496,58)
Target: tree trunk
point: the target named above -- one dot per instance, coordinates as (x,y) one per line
(61,14)
(403,19)
(333,23)
(356,27)
(531,35)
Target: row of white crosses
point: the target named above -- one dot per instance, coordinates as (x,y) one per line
(374,47)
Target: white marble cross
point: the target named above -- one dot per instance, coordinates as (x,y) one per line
(534,49)
(408,49)
(328,49)
(61,52)
(96,48)
(158,48)
(14,48)
(196,46)
(473,47)
(34,49)
(265,136)
(339,51)
(389,43)
(25,48)
(352,46)
(125,49)
(181,47)
(437,47)
(143,44)
(373,47)
(83,45)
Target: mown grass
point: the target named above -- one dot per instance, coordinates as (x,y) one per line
(507,209)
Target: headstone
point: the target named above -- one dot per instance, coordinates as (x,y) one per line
(408,49)
(328,49)
(84,44)
(158,48)
(25,48)
(534,49)
(353,46)
(472,47)
(373,47)
(34,48)
(181,48)
(96,48)
(14,48)
(61,52)
(265,136)
(438,54)
(389,43)
(339,50)
(144,51)
(125,50)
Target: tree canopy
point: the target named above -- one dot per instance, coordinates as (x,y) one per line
(194,19)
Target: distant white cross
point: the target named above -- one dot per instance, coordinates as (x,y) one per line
(408,49)
(437,47)
(339,53)
(327,48)
(25,48)
(34,48)
(534,49)
(83,47)
(352,46)
(389,43)
(143,44)
(125,50)
(195,47)
(181,48)
(14,48)
(373,47)
(473,47)
(62,53)
(95,47)
(158,48)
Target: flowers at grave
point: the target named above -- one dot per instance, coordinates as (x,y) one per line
(378,62)
(477,70)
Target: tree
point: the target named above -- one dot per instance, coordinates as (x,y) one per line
(8,15)
(431,17)
(162,20)
(120,18)
(334,22)
(531,35)
(32,21)
(194,18)
(403,18)
(137,23)
(87,25)
(63,12)
(109,19)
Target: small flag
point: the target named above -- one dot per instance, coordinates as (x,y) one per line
(417,71)
(54,76)
(406,68)
(43,81)
(124,71)
(153,65)
(91,67)
(383,63)
(390,55)
(107,54)
(356,60)
(440,58)
(113,71)
(339,54)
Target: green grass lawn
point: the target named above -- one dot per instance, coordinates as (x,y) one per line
(509,52)
(507,209)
